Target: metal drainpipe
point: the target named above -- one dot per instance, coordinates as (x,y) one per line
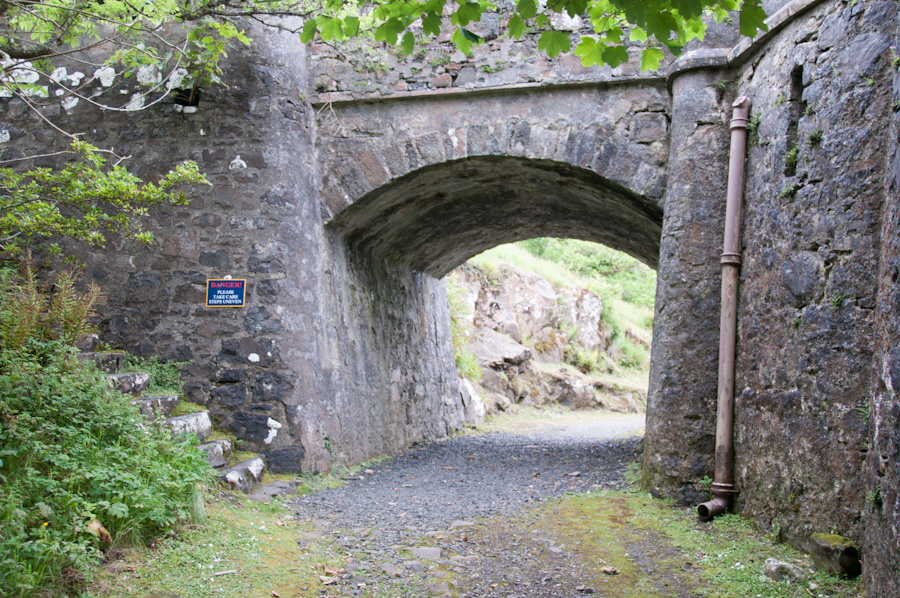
(723,486)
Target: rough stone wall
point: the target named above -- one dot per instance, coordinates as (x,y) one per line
(882,513)
(679,443)
(388,357)
(336,357)
(812,233)
(367,70)
(432,182)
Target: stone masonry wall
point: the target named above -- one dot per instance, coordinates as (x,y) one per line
(881,512)
(335,358)
(812,234)
(679,444)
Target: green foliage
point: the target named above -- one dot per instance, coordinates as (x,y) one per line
(815,138)
(82,201)
(165,377)
(753,127)
(789,191)
(461,327)
(624,276)
(72,454)
(74,463)
(837,299)
(790,160)
(55,312)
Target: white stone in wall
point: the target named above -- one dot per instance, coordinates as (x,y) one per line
(176,79)
(69,103)
(59,74)
(4,136)
(148,75)
(237,163)
(136,103)
(274,426)
(106,75)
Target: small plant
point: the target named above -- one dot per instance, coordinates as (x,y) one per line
(486,68)
(705,483)
(864,411)
(874,497)
(797,322)
(837,300)
(165,377)
(780,99)
(56,311)
(815,138)
(753,128)
(809,110)
(790,191)
(790,161)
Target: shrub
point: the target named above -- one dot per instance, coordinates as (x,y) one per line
(79,467)
(57,311)
(165,377)
(461,327)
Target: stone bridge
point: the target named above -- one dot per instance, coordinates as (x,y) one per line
(429,181)
(343,193)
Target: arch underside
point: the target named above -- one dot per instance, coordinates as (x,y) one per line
(437,217)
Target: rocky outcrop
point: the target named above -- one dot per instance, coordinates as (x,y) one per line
(525,329)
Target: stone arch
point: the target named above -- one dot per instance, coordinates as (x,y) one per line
(617,132)
(435,218)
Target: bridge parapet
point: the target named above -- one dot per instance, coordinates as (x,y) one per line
(617,132)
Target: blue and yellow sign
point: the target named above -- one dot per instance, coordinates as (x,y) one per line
(225,292)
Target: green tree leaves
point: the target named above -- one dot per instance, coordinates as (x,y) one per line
(83,201)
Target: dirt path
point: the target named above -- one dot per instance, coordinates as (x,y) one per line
(484,515)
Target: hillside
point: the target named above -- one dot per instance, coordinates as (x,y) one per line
(554,321)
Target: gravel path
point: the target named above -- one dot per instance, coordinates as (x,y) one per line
(436,490)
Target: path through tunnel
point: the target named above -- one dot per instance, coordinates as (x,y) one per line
(432,220)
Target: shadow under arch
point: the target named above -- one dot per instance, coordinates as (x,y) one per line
(435,218)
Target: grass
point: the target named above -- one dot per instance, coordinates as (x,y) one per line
(722,558)
(253,547)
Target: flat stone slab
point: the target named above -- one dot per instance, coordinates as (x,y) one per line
(107,362)
(132,383)
(266,493)
(246,475)
(192,423)
(432,553)
(218,450)
(391,569)
(157,406)
(836,554)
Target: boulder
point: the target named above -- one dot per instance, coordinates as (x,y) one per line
(472,403)
(582,310)
(549,345)
(782,571)
(835,554)
(567,387)
(496,350)
(533,301)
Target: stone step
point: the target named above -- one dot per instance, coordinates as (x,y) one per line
(269,491)
(218,450)
(110,363)
(133,383)
(246,475)
(197,423)
(157,406)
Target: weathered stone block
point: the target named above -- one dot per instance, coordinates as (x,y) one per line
(836,554)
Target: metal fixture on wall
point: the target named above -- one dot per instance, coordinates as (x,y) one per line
(723,484)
